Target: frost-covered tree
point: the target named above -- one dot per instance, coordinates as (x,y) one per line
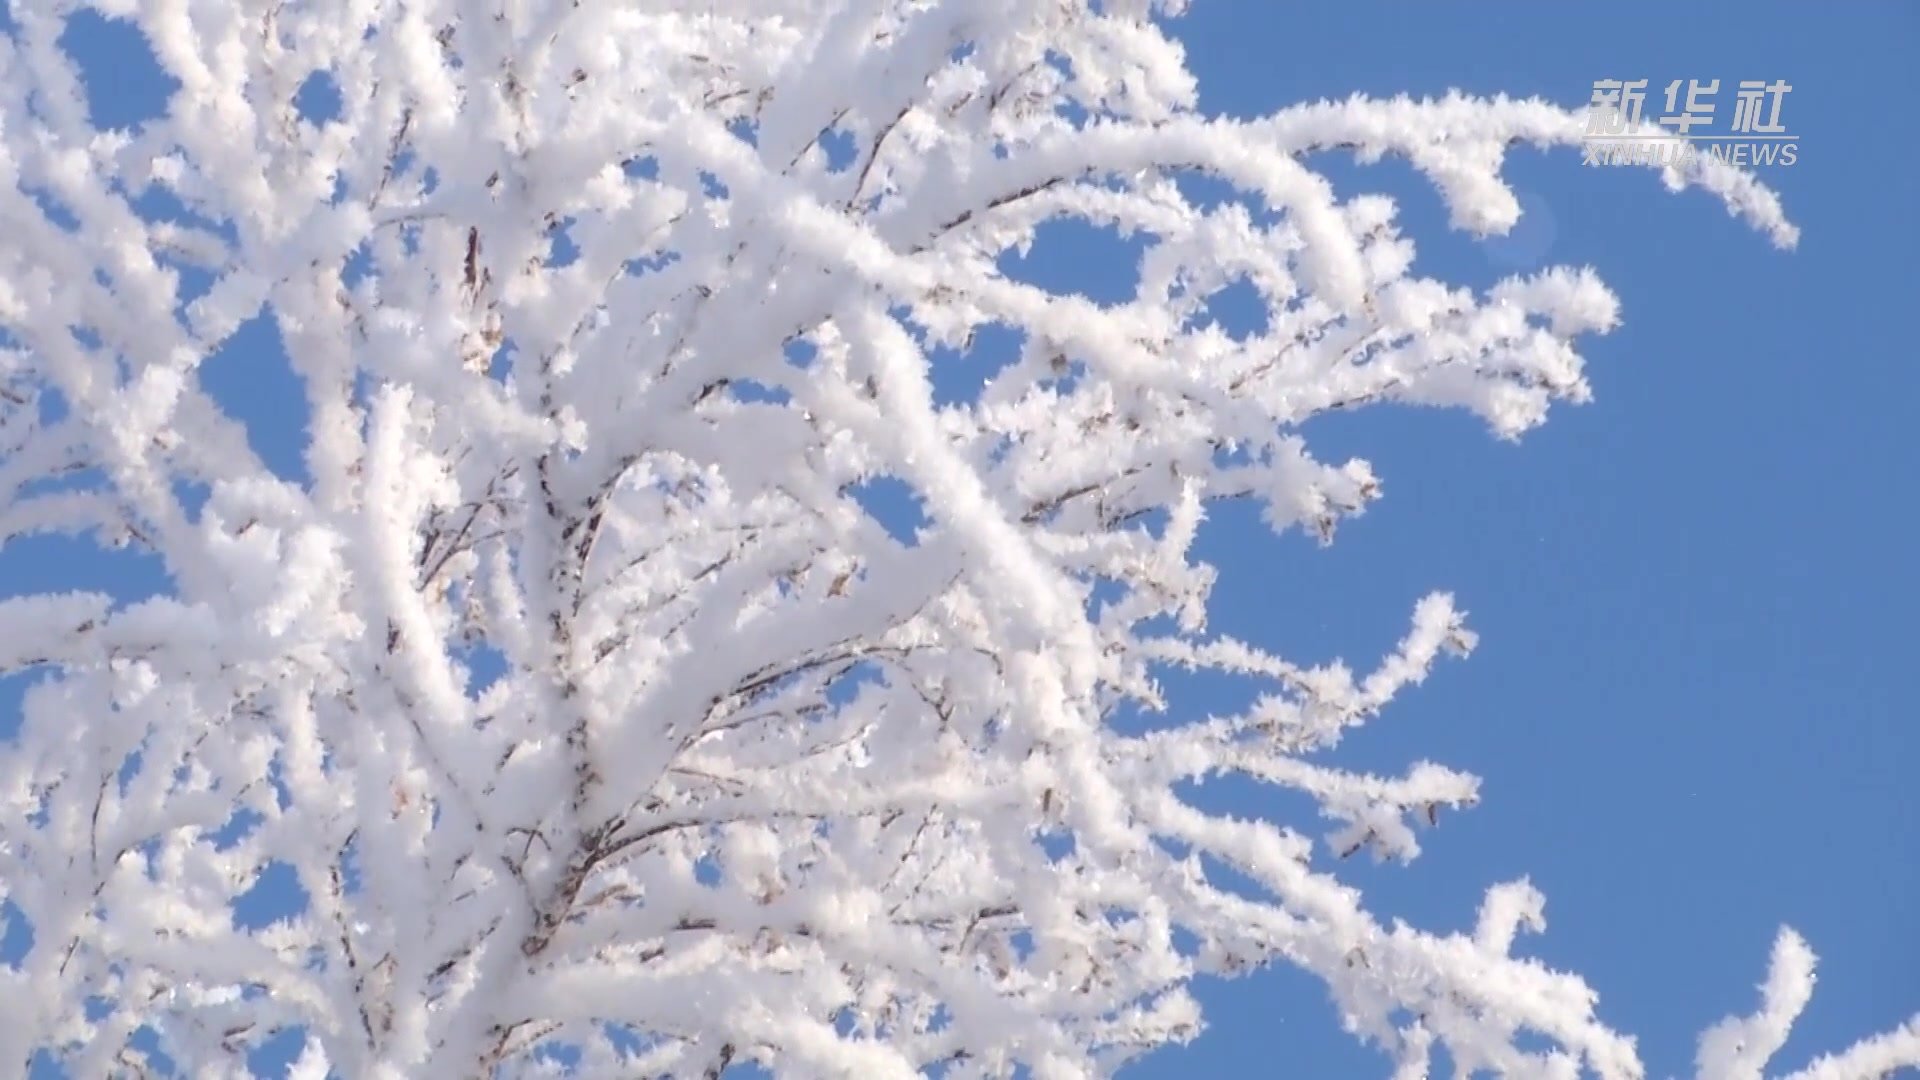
(593,718)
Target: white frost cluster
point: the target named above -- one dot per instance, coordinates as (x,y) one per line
(601,726)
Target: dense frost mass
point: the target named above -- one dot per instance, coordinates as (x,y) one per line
(574,692)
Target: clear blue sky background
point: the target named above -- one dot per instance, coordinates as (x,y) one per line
(1696,595)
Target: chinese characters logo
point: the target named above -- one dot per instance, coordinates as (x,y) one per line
(1618,132)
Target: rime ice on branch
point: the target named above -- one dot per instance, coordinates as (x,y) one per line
(573,684)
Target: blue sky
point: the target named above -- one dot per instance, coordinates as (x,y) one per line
(1695,594)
